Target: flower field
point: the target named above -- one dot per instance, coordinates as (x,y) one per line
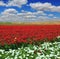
(10,34)
(29,41)
(46,50)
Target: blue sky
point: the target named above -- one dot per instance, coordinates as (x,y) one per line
(29,10)
(54,2)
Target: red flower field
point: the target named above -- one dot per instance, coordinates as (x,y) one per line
(10,34)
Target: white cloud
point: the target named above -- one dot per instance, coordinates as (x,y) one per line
(10,11)
(2,4)
(51,15)
(45,7)
(17,3)
(12,15)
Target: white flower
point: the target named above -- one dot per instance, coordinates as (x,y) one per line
(47,55)
(27,54)
(51,55)
(58,37)
(26,57)
(20,57)
(11,58)
(2,51)
(58,57)
(38,58)
(0,55)
(32,56)
(34,47)
(52,48)
(15,57)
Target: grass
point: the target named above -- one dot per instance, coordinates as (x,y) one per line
(31,23)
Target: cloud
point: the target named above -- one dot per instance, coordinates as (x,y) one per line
(10,11)
(45,7)
(17,3)
(12,15)
(2,4)
(51,15)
